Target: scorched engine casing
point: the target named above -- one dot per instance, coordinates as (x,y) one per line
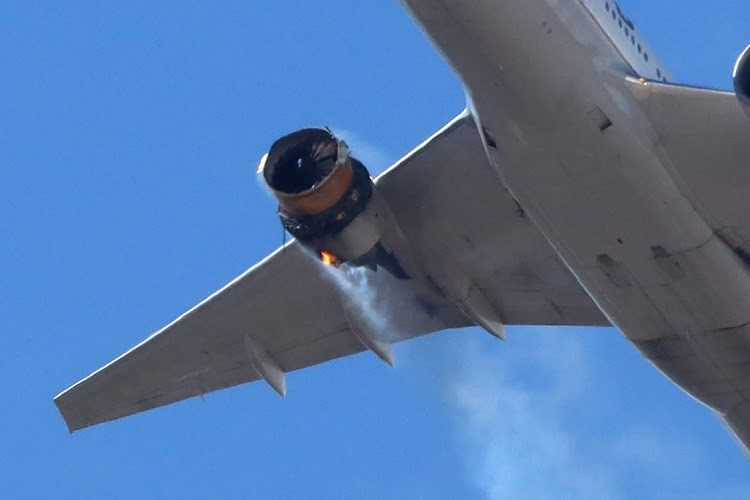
(328,202)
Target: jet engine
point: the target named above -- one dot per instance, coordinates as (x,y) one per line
(328,202)
(741,79)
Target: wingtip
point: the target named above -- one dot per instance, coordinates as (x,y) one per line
(61,411)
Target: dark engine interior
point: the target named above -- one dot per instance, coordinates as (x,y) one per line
(301,160)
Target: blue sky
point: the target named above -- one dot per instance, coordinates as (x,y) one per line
(128,145)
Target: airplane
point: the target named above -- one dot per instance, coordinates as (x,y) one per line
(581,186)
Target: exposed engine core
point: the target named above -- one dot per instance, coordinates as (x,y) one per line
(741,80)
(327,200)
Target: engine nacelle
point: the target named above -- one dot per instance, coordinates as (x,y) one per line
(328,202)
(741,80)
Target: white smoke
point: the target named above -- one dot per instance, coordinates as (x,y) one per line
(371,296)
(373,157)
(515,437)
(355,288)
(524,419)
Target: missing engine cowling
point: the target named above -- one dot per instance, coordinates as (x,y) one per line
(328,201)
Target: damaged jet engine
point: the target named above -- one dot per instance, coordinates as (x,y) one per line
(328,202)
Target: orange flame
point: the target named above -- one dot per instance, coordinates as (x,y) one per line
(329,259)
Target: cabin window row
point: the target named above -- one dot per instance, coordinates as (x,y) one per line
(613,11)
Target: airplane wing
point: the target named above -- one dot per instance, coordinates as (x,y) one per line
(284,304)
(704,135)
(285,314)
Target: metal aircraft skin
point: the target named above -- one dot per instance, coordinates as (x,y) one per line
(581,186)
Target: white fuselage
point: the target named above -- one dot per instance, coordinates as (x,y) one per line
(546,82)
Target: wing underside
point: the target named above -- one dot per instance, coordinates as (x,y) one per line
(448,201)
(702,135)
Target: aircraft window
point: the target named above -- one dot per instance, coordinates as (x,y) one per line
(658,73)
(645,56)
(632,39)
(619,21)
(606,5)
(639,48)
(614,16)
(627,32)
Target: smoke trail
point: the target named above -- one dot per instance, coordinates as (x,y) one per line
(528,426)
(367,294)
(514,435)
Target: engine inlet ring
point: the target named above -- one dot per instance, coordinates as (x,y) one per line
(336,218)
